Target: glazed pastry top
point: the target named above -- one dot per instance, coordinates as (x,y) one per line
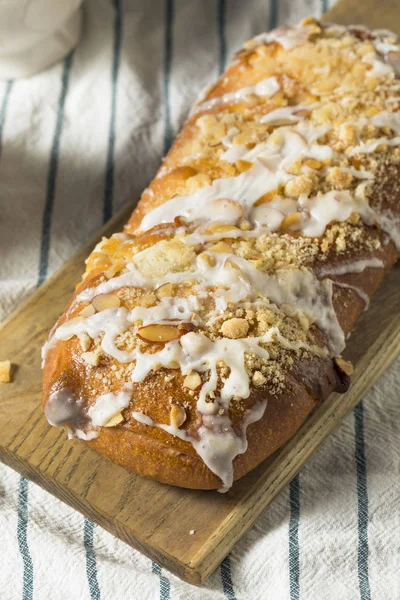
(281,179)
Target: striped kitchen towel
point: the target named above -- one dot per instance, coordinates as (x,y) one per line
(76,142)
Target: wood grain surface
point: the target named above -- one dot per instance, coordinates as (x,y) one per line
(118,500)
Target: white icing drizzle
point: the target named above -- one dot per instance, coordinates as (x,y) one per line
(357,290)
(217,443)
(371,146)
(266,174)
(295,287)
(285,115)
(114,321)
(357,266)
(80,434)
(390,223)
(319,211)
(266,87)
(379,67)
(382,119)
(109,405)
(64,407)
(270,161)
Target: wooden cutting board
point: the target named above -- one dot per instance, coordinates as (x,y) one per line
(118,500)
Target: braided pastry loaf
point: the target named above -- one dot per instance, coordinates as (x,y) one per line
(203,335)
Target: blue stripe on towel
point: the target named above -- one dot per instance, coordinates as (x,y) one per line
(169,17)
(165,588)
(362,497)
(52,175)
(22,535)
(168,20)
(91,565)
(273,14)
(3,110)
(22,526)
(109,182)
(88,526)
(221,36)
(294,553)
(226,576)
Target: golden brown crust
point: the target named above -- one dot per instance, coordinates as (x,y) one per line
(169,460)
(292,381)
(163,461)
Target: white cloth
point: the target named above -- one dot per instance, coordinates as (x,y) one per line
(87,134)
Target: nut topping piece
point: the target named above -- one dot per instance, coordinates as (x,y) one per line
(235,328)
(115,420)
(344,365)
(209,259)
(219,228)
(243,165)
(92,359)
(226,209)
(104,301)
(258,378)
(265,198)
(192,380)
(221,247)
(292,221)
(159,334)
(85,341)
(88,311)
(5,371)
(115,267)
(164,291)
(177,415)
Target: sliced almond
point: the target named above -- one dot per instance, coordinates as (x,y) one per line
(5,371)
(292,221)
(88,311)
(245,225)
(104,301)
(177,415)
(91,358)
(115,420)
(164,291)
(221,247)
(242,165)
(173,364)
(220,228)
(258,378)
(208,259)
(344,365)
(192,380)
(313,163)
(266,198)
(85,341)
(111,271)
(148,299)
(159,334)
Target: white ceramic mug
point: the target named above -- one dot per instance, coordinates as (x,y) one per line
(36,33)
